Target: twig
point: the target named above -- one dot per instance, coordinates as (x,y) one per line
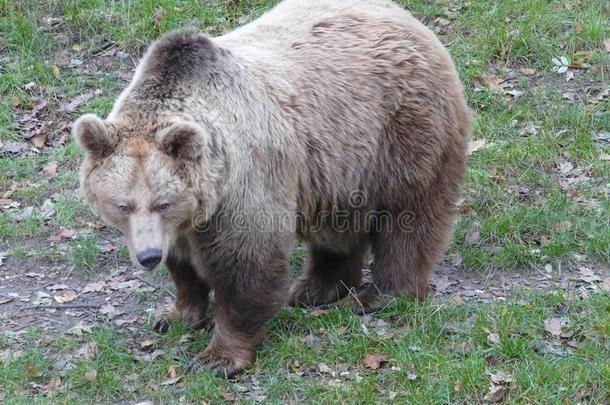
(75,306)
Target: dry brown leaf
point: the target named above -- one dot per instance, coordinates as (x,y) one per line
(457,299)
(588,275)
(50,169)
(94,287)
(146,345)
(493,338)
(229,396)
(53,385)
(496,393)
(91,375)
(79,101)
(474,146)
(323,368)
(86,351)
(64,233)
(33,371)
(110,311)
(500,378)
(14,147)
(553,326)
(79,329)
(68,296)
(527,71)
(374,361)
(58,287)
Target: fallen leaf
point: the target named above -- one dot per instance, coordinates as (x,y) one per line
(587,275)
(527,71)
(91,375)
(323,368)
(33,371)
(14,147)
(553,327)
(474,146)
(457,386)
(495,393)
(50,169)
(53,385)
(109,310)
(94,287)
(500,378)
(57,287)
(374,361)
(457,299)
(64,233)
(68,296)
(473,234)
(79,329)
(493,338)
(607,44)
(229,396)
(146,345)
(86,351)
(566,167)
(46,210)
(79,101)
(171,381)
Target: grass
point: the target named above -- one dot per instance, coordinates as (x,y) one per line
(436,353)
(536,194)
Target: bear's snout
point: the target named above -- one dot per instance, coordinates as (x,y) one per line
(150,258)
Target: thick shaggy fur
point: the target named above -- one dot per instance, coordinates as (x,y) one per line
(318,108)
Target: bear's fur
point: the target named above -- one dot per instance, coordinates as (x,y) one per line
(339,123)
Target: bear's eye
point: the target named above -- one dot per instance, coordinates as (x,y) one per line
(124,209)
(163,207)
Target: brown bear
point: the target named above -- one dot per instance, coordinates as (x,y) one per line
(342,124)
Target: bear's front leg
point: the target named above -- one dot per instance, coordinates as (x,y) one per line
(192,294)
(247,294)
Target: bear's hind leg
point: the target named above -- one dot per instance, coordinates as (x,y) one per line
(328,278)
(192,294)
(405,255)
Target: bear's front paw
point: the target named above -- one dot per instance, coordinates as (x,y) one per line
(222,364)
(164,316)
(194,317)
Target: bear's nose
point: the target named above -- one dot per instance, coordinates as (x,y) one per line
(149,258)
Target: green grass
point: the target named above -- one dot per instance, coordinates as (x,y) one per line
(441,345)
(516,199)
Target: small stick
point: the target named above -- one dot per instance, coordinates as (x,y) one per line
(75,306)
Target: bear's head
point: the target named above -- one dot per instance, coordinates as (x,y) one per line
(152,183)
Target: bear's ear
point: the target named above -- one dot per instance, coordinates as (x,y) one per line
(92,135)
(182,140)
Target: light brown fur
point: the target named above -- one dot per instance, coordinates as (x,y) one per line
(328,119)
